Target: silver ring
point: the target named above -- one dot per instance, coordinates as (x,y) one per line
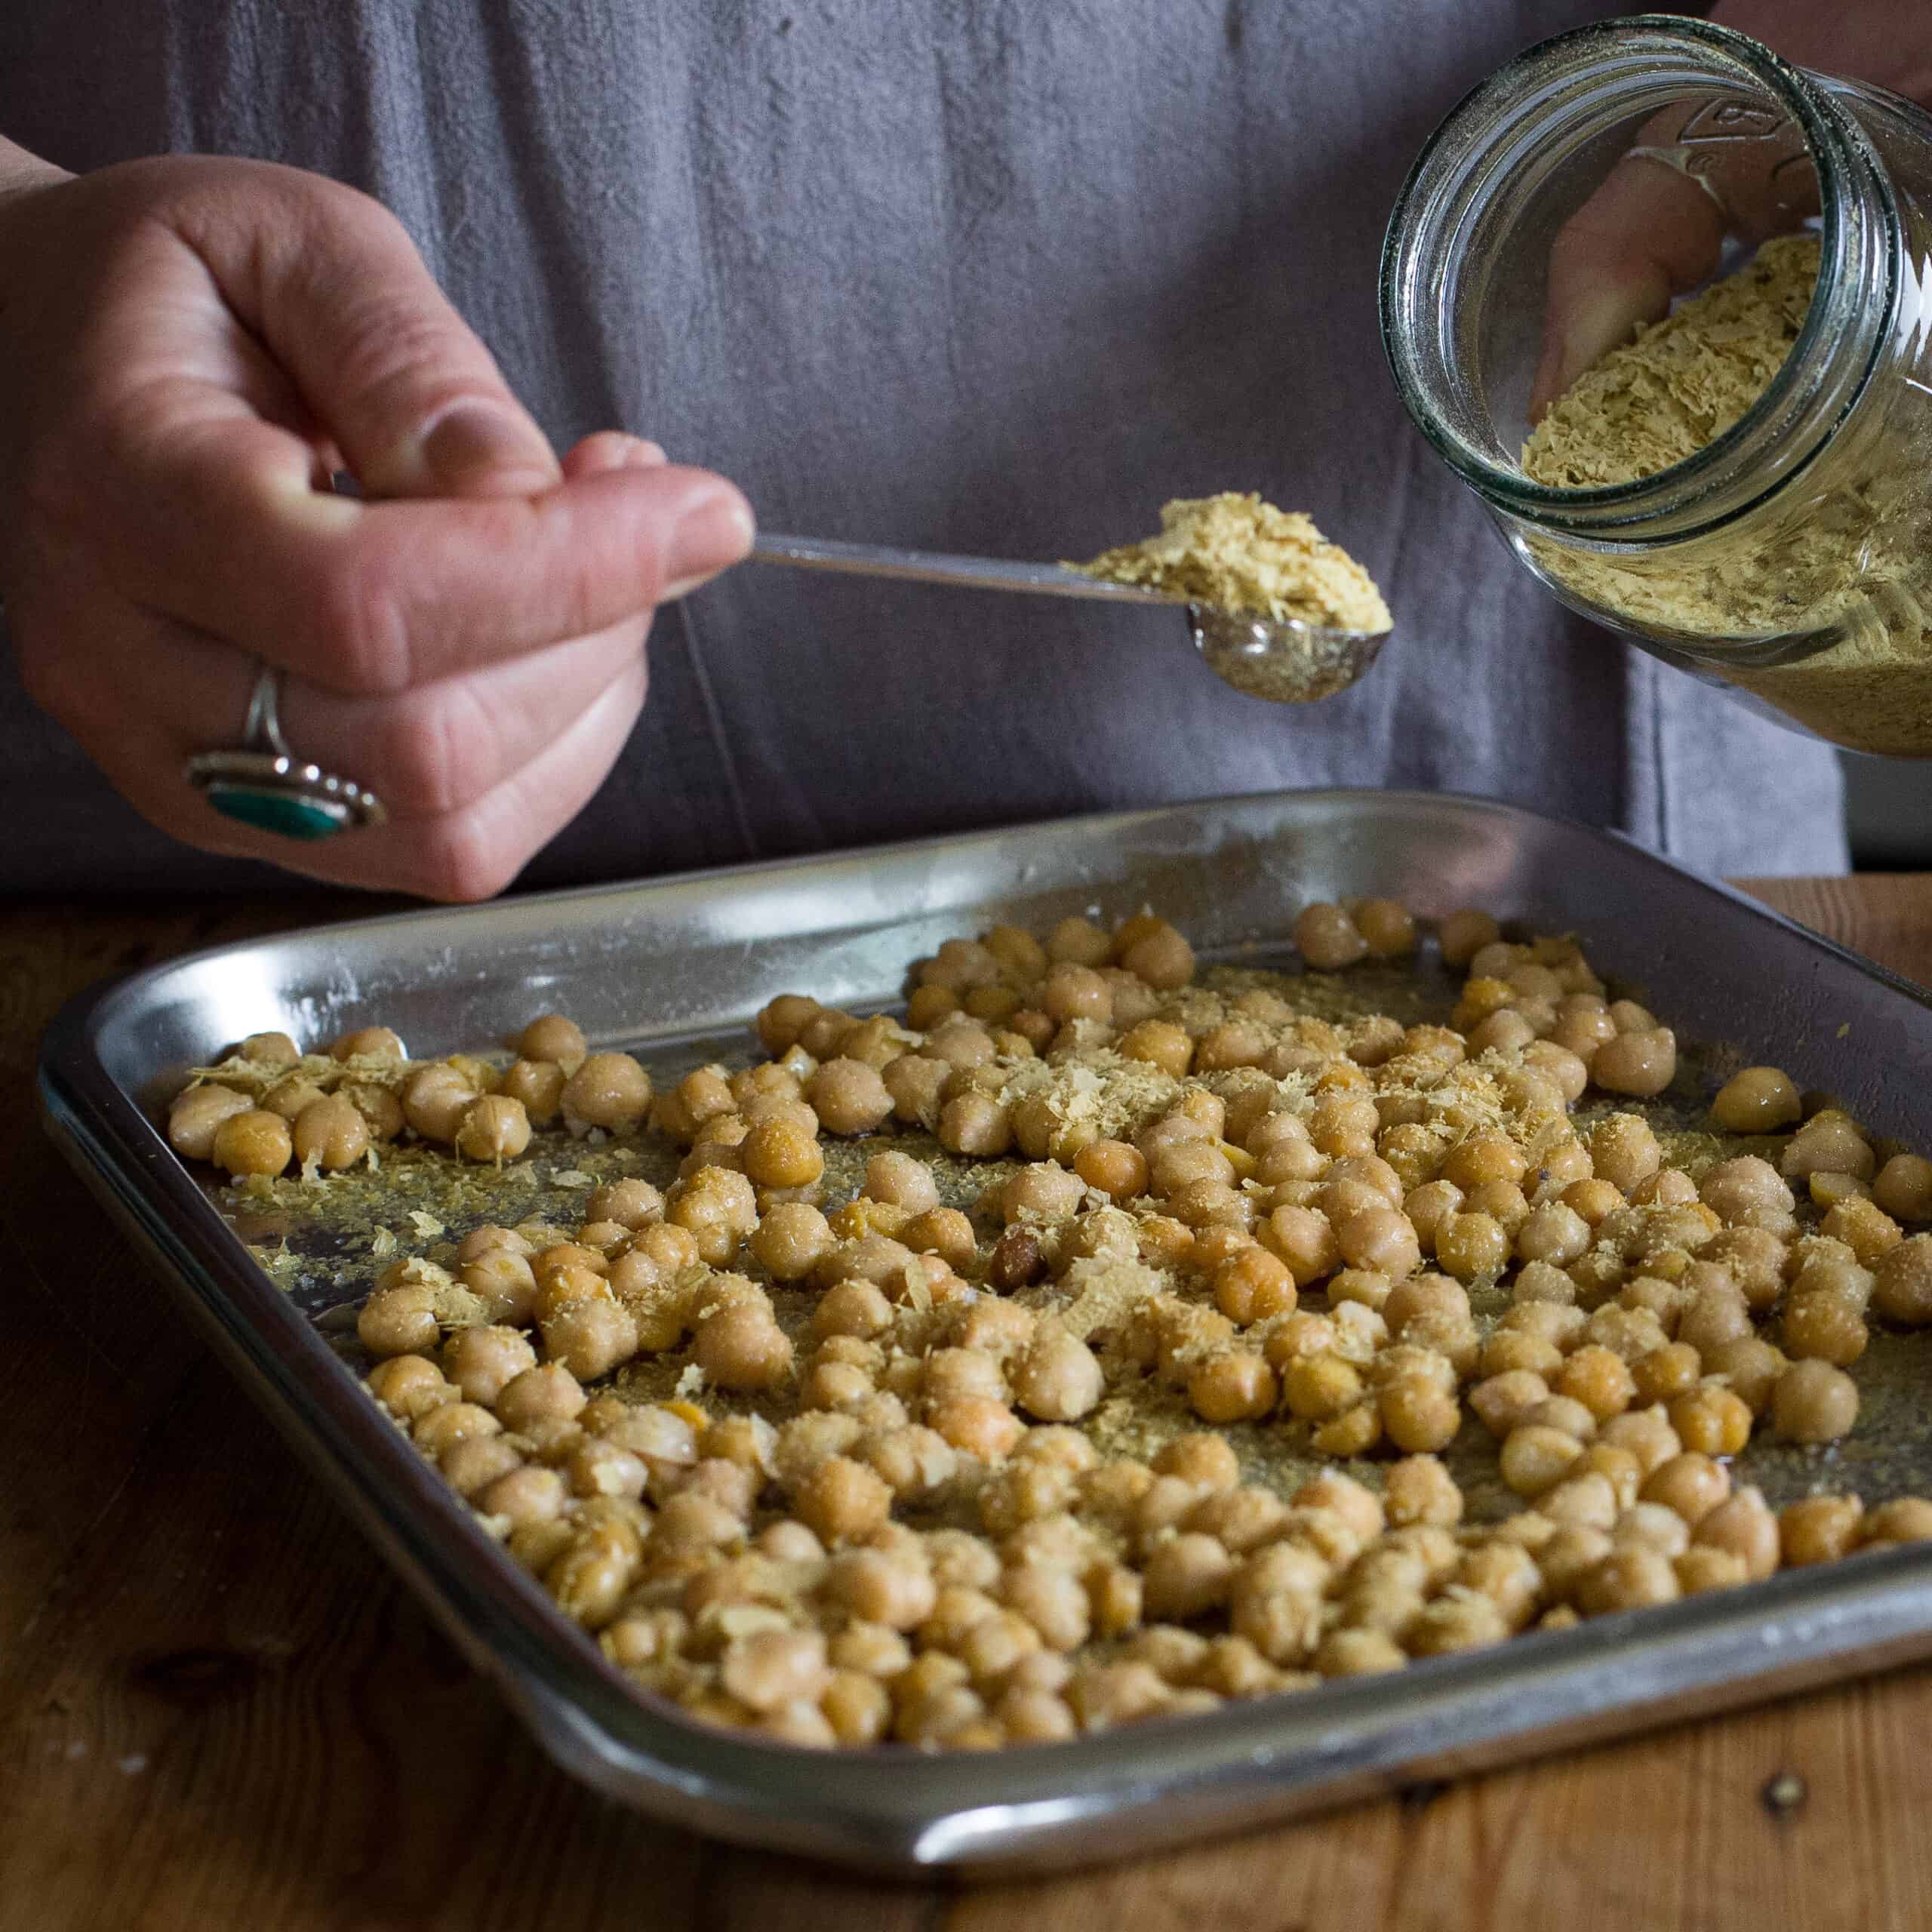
(1690,162)
(262,783)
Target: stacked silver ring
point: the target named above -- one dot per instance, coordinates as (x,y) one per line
(261,782)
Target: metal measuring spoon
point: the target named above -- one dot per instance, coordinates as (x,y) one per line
(1283,660)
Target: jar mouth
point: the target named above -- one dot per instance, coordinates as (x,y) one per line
(1585,81)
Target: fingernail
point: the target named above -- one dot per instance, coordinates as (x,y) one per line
(712,534)
(640,453)
(475,446)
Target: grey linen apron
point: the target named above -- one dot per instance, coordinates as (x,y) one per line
(994,276)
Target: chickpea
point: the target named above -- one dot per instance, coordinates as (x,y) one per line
(538,1087)
(437,1428)
(1536,1458)
(196,1116)
(1253,1285)
(1903,1188)
(842,1501)
(902,1181)
(1674,1370)
(1462,1620)
(590,1336)
(550,1393)
(1690,1483)
(1719,1316)
(1905,1519)
(1303,1240)
(1463,934)
(552,1036)
(610,1091)
(368,1043)
(1903,1282)
(1160,956)
(1647,1434)
(740,1346)
(1057,1379)
(1237,1385)
(981,1425)
(1418,1415)
(1386,925)
(399,1321)
(1744,1527)
(1380,1239)
(1319,1387)
(1469,1245)
(1760,1099)
(1080,941)
(718,1208)
(478,1463)
(493,1128)
(1814,1402)
(252,1141)
(409,1386)
(1428,1206)
(1328,939)
(1631,1577)
(1824,1325)
(1641,1062)
(1819,1529)
(1624,1152)
(791,1240)
(482,1362)
(1712,1420)
(1186,1576)
(1751,1367)
(1597,1379)
(1828,1144)
(1554,1232)
(974,1123)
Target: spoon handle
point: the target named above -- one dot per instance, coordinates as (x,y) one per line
(821,553)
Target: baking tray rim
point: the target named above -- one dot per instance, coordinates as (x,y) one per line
(896,1810)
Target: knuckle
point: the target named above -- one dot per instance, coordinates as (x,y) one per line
(384,346)
(460,860)
(441,753)
(362,649)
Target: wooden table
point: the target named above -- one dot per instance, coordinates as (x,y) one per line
(217,1710)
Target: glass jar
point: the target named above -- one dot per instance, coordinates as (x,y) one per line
(1791,556)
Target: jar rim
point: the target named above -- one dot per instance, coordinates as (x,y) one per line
(1842,159)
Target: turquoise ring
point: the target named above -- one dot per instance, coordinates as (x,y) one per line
(263,784)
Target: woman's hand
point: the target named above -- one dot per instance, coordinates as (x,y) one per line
(189,350)
(1649,233)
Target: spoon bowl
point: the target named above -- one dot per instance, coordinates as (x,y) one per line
(1280,660)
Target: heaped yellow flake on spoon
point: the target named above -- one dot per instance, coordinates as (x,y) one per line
(1236,553)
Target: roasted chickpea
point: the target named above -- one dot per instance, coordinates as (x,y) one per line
(1760,1099)
(196,1114)
(253,1141)
(609,1091)
(1814,1402)
(1328,939)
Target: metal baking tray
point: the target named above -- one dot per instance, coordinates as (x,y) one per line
(648,965)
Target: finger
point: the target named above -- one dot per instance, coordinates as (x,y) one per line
(611,449)
(213,518)
(336,290)
(439,852)
(432,750)
(1644,236)
(1656,229)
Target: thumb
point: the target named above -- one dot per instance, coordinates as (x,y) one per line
(1698,172)
(1647,234)
(390,371)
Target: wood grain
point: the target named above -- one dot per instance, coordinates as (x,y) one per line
(217,1710)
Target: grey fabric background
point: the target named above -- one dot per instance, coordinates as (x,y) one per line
(984,275)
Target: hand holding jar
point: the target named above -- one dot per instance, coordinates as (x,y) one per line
(1752,498)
